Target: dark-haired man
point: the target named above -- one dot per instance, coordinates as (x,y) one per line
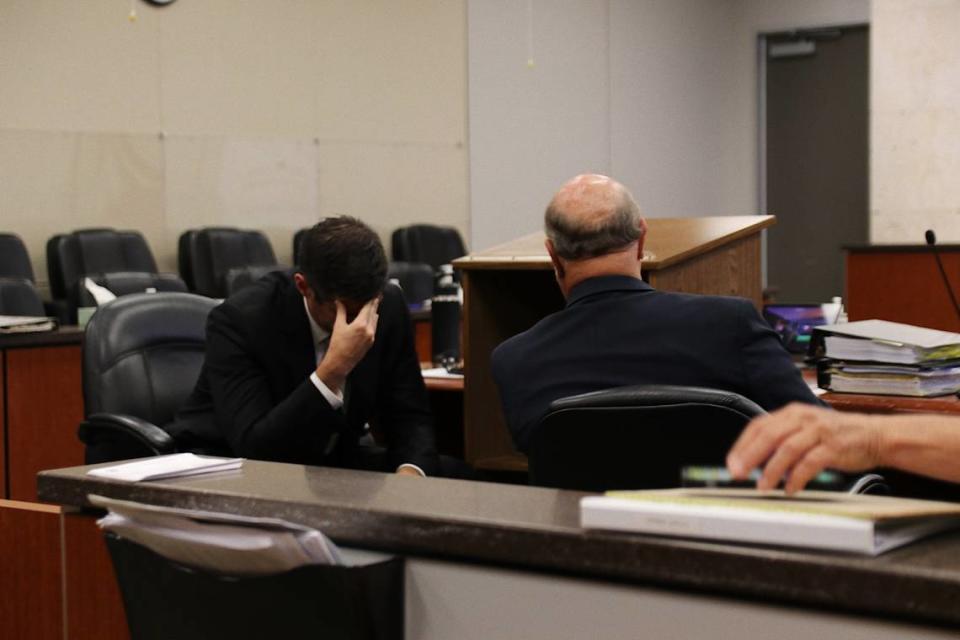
(617,330)
(301,364)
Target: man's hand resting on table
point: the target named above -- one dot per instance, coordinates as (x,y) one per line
(799,441)
(349,342)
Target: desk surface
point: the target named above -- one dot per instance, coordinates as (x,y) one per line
(537,529)
(865,403)
(63,336)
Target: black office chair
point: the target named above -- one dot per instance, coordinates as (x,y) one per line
(414,278)
(163,599)
(240,277)
(427,243)
(14,259)
(18,287)
(18,297)
(102,254)
(208,256)
(637,437)
(142,355)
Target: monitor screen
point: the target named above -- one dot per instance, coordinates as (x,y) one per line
(795,322)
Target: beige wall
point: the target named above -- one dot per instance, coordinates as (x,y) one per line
(234,112)
(915,120)
(660,93)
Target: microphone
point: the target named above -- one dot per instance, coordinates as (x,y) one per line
(931,239)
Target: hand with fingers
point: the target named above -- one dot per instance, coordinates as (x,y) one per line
(799,441)
(349,343)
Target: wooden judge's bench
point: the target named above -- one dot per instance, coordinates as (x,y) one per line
(508,288)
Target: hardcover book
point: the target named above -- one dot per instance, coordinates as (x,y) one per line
(828,520)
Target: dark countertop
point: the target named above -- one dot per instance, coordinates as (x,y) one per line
(898,248)
(537,529)
(64,336)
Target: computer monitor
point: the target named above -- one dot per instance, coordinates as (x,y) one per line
(795,322)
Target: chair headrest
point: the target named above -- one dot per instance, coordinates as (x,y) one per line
(143,320)
(18,297)
(14,260)
(658,395)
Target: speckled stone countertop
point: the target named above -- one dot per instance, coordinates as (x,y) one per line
(538,529)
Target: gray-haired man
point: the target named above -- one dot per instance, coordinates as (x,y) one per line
(617,330)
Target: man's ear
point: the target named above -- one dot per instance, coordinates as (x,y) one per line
(555,259)
(302,285)
(643,236)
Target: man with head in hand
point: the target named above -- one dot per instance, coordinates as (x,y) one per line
(306,366)
(617,330)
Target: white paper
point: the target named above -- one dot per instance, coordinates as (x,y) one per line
(171,466)
(26,324)
(221,542)
(440,372)
(102,295)
(896,332)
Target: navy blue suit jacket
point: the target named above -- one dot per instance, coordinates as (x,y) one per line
(255,398)
(618,330)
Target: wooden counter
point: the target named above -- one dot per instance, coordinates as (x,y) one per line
(43,398)
(902,283)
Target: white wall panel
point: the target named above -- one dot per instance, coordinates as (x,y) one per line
(915,121)
(531,128)
(68,65)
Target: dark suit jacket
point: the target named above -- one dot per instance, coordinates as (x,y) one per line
(254,397)
(618,330)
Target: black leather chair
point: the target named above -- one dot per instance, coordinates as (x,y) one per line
(100,254)
(641,437)
(18,291)
(14,259)
(427,243)
(18,297)
(142,355)
(414,278)
(240,277)
(207,257)
(637,437)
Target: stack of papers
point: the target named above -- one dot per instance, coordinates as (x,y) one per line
(888,342)
(26,324)
(440,372)
(887,358)
(220,542)
(176,465)
(882,379)
(813,519)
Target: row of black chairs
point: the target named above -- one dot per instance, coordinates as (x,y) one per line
(213,262)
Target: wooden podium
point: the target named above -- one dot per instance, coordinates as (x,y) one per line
(508,288)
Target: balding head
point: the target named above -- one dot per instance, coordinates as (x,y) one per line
(591,216)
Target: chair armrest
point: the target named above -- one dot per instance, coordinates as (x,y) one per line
(108,426)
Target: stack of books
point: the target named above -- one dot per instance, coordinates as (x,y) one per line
(826,520)
(887,358)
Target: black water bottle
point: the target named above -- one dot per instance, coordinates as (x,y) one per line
(445,318)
